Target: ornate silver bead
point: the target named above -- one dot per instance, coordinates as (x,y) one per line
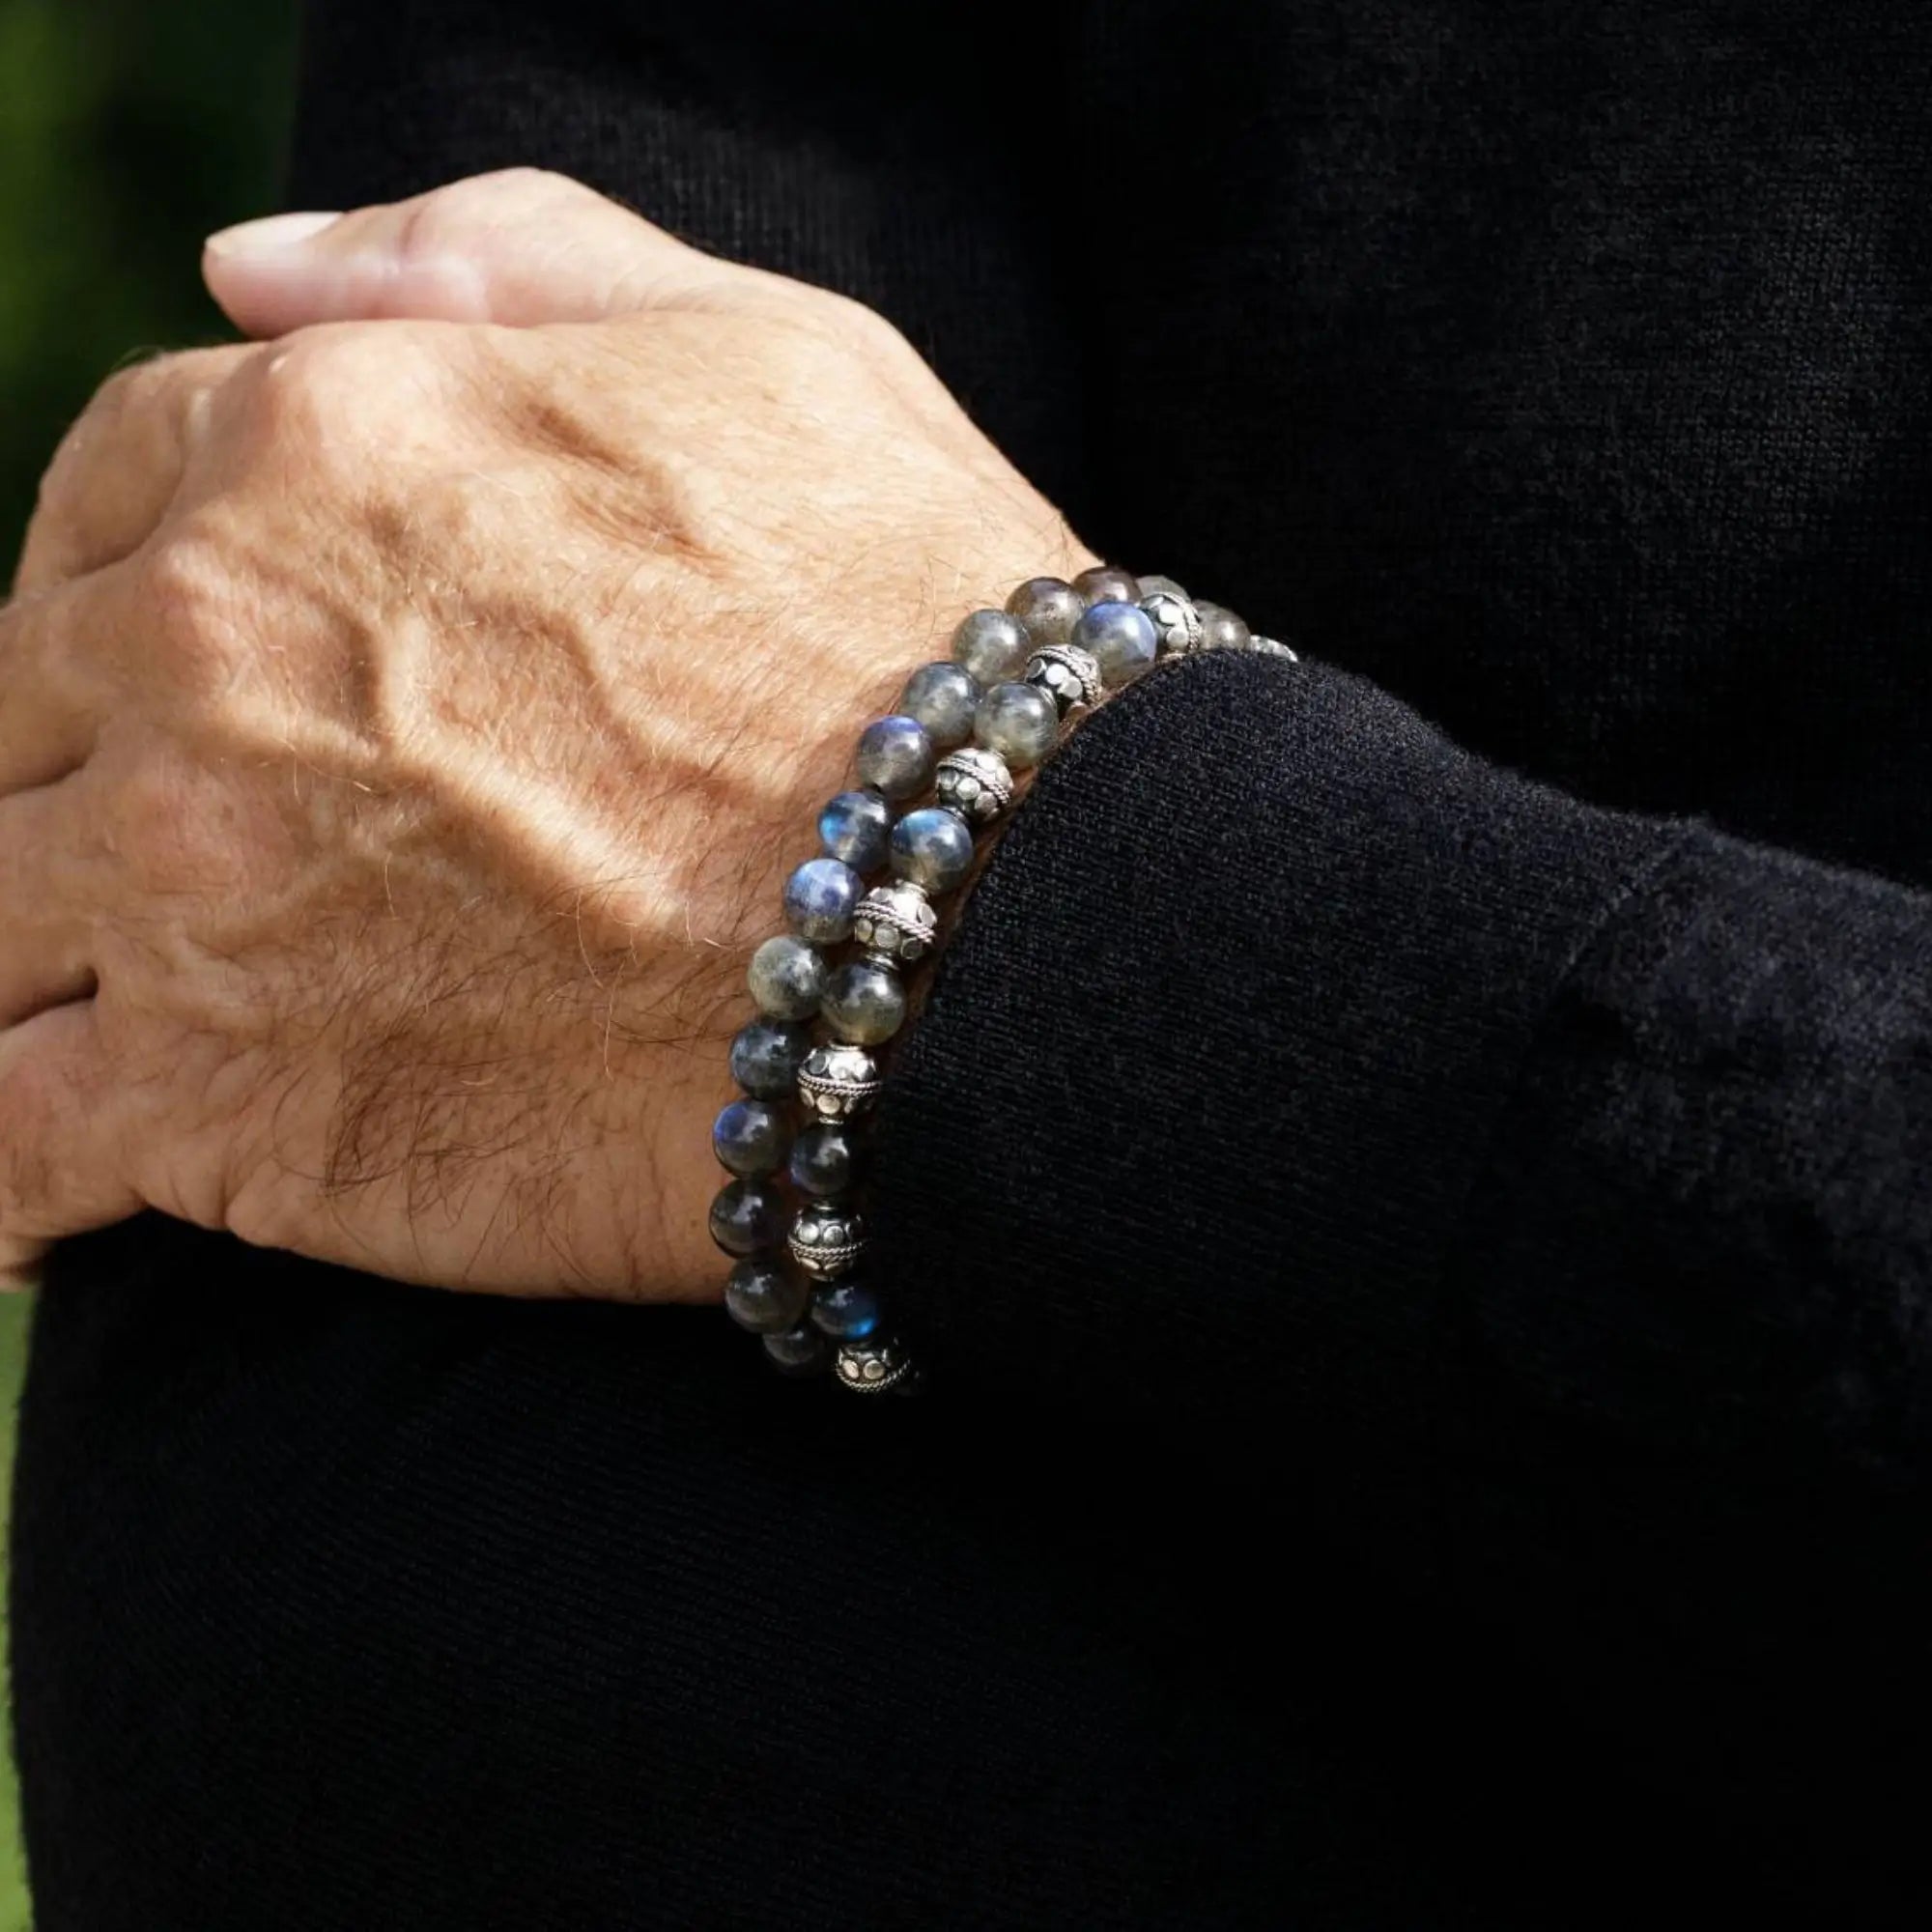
(1273,648)
(874,1366)
(1176,623)
(975,785)
(1068,674)
(827,1240)
(895,921)
(838,1081)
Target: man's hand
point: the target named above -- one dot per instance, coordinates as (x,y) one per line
(409,722)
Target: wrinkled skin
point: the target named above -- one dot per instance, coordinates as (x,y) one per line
(409,724)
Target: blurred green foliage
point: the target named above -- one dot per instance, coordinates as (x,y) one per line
(129,129)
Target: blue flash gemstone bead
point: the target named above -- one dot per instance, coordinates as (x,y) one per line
(766,1056)
(865,1003)
(1221,630)
(764,1298)
(1018,722)
(786,977)
(825,1161)
(848,1311)
(749,1137)
(1048,610)
(943,697)
(990,644)
(748,1215)
(932,848)
(1121,638)
(853,828)
(895,757)
(1103,585)
(799,1352)
(820,898)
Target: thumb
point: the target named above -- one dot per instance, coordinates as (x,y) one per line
(519,247)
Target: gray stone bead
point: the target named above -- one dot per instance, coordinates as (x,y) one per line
(943,697)
(895,757)
(865,1001)
(853,828)
(748,1215)
(799,1352)
(989,645)
(1176,623)
(766,1298)
(1161,587)
(787,977)
(896,922)
(932,849)
(848,1311)
(1273,648)
(838,1081)
(826,1160)
(1049,609)
(1068,674)
(749,1137)
(974,784)
(1019,722)
(1221,630)
(1121,639)
(827,1240)
(820,898)
(1103,584)
(766,1056)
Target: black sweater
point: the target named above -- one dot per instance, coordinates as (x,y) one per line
(1415,1165)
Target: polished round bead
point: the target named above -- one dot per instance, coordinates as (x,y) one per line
(825,1160)
(932,849)
(943,697)
(848,1311)
(1160,587)
(1221,630)
(895,757)
(1068,674)
(1019,722)
(827,1238)
(749,1137)
(1177,624)
(854,827)
(896,922)
(1121,639)
(1105,585)
(974,784)
(748,1215)
(766,1056)
(820,898)
(865,1003)
(989,645)
(787,977)
(764,1298)
(799,1352)
(876,1366)
(1049,609)
(838,1081)
(1273,648)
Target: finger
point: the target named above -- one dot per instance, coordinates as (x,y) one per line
(56,689)
(51,885)
(60,1122)
(118,469)
(520,248)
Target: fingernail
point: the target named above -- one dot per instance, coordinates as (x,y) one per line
(270,235)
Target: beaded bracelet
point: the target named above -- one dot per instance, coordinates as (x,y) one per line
(964,728)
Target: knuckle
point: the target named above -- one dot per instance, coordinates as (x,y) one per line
(449,218)
(186,599)
(342,385)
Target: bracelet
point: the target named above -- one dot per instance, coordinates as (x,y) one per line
(965,726)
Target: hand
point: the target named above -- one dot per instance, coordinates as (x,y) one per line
(409,724)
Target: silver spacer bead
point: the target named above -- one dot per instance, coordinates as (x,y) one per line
(1068,674)
(1272,647)
(974,784)
(876,1366)
(827,1240)
(895,923)
(1176,623)
(836,1082)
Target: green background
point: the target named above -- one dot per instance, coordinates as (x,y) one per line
(129,129)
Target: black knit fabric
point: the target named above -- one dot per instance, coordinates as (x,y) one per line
(1414,1165)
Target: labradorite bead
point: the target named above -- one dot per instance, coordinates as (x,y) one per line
(853,828)
(1157,586)
(1121,638)
(786,977)
(895,757)
(748,1215)
(1102,585)
(1018,722)
(1049,609)
(799,1352)
(943,697)
(931,848)
(749,1137)
(825,1160)
(848,1311)
(766,1056)
(865,1001)
(1221,630)
(820,898)
(989,645)
(764,1298)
